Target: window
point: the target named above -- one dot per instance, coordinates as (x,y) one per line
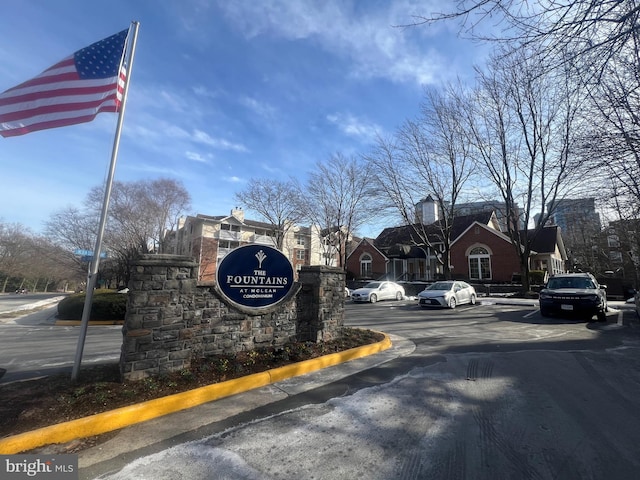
(300,240)
(228,244)
(365,265)
(615,256)
(300,254)
(479,264)
(232,228)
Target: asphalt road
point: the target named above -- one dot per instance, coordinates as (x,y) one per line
(489,392)
(31,345)
(527,396)
(11,302)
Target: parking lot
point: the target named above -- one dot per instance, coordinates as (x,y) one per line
(492,322)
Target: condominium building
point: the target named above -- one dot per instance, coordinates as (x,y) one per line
(209,238)
(576,217)
(580,225)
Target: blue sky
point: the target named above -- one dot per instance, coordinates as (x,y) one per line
(221,92)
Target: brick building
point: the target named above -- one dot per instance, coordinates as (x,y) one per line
(480,251)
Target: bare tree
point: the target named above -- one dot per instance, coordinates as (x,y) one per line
(167,200)
(614,137)
(275,202)
(15,246)
(73,230)
(429,156)
(336,199)
(31,261)
(523,127)
(593,31)
(140,213)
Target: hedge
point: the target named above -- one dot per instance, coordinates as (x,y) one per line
(105,305)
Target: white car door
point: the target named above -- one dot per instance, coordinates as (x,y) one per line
(462,293)
(384,293)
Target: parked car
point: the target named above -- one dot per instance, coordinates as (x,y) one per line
(347,293)
(576,294)
(374,291)
(447,293)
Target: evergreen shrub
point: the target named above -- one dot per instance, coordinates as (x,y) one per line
(105,305)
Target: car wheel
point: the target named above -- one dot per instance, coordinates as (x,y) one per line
(545,312)
(473,300)
(452,302)
(399,296)
(373,298)
(602,316)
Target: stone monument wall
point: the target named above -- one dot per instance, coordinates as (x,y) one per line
(171,320)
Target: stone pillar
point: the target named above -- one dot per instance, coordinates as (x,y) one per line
(320,303)
(153,338)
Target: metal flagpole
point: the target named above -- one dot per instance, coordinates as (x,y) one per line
(95,261)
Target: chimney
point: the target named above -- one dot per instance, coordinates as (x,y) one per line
(238,213)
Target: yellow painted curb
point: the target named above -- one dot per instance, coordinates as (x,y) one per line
(125,416)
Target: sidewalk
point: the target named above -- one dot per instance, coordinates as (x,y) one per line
(203,420)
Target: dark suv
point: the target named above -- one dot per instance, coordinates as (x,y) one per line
(574,293)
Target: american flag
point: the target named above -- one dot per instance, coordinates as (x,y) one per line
(72,91)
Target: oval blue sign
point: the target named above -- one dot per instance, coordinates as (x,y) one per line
(255,276)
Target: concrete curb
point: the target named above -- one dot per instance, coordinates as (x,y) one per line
(126,416)
(91,323)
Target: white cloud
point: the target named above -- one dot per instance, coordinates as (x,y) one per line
(202,137)
(368,39)
(234,179)
(355,127)
(260,108)
(203,91)
(197,157)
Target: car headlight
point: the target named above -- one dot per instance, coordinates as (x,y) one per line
(544,296)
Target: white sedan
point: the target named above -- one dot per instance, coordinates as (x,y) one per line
(447,294)
(374,291)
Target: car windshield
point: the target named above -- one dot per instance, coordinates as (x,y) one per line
(372,285)
(570,282)
(440,286)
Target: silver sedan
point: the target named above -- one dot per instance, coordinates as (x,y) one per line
(447,294)
(374,291)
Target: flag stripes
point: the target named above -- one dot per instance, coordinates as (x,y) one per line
(66,94)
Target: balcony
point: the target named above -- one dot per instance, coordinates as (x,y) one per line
(262,240)
(228,235)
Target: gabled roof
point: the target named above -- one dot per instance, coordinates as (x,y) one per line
(546,240)
(495,232)
(370,241)
(406,234)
